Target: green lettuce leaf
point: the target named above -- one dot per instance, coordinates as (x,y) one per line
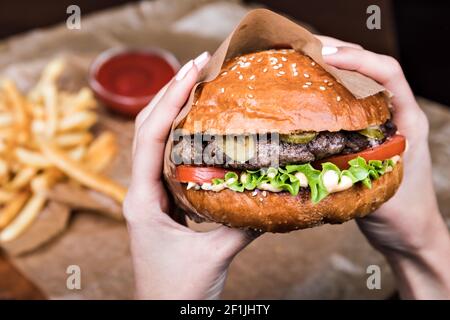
(284,179)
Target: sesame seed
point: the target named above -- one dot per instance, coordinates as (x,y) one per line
(261,199)
(305,86)
(283,58)
(276,67)
(224,73)
(295,73)
(222,90)
(308,83)
(252,58)
(264,193)
(306,75)
(313,63)
(250,87)
(326,80)
(294,65)
(245,65)
(234,67)
(330,84)
(252,77)
(273,60)
(281,72)
(322,88)
(241,77)
(280,65)
(265,70)
(259,60)
(254,193)
(250,96)
(338,98)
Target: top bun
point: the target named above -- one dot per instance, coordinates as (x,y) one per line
(280,91)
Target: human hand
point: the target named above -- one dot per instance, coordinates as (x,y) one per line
(408,229)
(170,260)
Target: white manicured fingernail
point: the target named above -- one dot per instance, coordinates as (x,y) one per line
(184,70)
(201,59)
(329,50)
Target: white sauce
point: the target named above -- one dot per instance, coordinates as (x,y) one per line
(302,179)
(218,187)
(191,185)
(268,187)
(332,183)
(396,159)
(206,186)
(271,175)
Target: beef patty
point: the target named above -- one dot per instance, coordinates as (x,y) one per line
(266,154)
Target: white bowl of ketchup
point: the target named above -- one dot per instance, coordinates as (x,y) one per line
(127,79)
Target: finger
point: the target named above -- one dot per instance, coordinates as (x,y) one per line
(230,241)
(383,69)
(143,114)
(332,42)
(152,134)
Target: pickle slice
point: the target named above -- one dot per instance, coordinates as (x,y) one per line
(298,138)
(372,133)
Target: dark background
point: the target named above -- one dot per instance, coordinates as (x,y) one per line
(414,31)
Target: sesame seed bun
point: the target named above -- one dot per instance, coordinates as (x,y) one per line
(281,212)
(280,91)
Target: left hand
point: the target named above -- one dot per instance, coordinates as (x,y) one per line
(170,260)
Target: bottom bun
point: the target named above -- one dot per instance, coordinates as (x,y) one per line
(281,212)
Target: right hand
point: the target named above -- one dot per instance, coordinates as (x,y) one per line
(408,229)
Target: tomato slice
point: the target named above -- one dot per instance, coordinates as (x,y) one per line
(392,147)
(199,175)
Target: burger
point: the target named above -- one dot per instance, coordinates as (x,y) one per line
(275,143)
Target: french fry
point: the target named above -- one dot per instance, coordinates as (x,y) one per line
(84,100)
(24,219)
(31,158)
(45,180)
(78,121)
(9,212)
(38,127)
(82,174)
(4,171)
(101,151)
(22,178)
(6,120)
(50,74)
(6,196)
(68,140)
(51,112)
(18,108)
(77,153)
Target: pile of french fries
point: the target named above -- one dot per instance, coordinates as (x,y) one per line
(45,138)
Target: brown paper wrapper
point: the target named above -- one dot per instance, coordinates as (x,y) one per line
(259,30)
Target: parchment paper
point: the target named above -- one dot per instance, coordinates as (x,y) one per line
(261,29)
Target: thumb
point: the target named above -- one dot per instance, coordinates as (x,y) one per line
(229,241)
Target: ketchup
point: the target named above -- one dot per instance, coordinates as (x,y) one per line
(130,79)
